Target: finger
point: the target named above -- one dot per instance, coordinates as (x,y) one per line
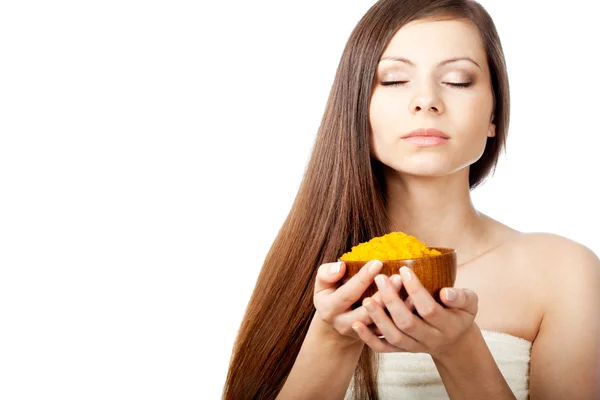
(403,319)
(388,329)
(328,275)
(371,340)
(374,330)
(361,314)
(430,310)
(352,290)
(464,299)
(409,304)
(343,321)
(396,283)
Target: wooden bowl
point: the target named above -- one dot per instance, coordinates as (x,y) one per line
(434,272)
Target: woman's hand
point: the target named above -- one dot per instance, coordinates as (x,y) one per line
(334,301)
(438,329)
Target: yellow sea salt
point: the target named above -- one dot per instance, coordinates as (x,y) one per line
(392,246)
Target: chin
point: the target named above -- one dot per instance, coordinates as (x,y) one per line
(425,168)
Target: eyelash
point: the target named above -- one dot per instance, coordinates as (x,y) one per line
(456,85)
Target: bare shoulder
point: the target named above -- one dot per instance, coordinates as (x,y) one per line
(550,266)
(555,252)
(558,270)
(566,275)
(543,272)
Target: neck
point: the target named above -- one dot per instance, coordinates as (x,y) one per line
(438,211)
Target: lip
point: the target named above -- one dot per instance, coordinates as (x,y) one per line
(430,132)
(426,140)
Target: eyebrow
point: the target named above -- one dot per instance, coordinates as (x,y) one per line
(448,61)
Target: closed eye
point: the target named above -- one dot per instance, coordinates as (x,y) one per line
(456,85)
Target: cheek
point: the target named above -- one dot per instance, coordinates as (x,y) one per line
(386,115)
(375,122)
(474,118)
(381,134)
(376,114)
(474,139)
(478,109)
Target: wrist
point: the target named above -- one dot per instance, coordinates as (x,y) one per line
(461,348)
(469,371)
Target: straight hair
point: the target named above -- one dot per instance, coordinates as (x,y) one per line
(341,201)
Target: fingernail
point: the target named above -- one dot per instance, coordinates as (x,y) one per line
(335,268)
(396,280)
(406,274)
(380,282)
(450,294)
(375,266)
(369,306)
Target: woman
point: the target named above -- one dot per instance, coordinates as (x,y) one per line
(529,324)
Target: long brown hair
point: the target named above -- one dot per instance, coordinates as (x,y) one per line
(342,201)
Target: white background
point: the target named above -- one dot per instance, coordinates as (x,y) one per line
(150,151)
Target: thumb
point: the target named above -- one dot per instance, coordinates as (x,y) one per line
(464,299)
(328,275)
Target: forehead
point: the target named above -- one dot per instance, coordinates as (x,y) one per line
(430,40)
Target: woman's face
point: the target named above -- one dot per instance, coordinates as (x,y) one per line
(428,99)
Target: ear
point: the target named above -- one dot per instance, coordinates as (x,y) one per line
(492,128)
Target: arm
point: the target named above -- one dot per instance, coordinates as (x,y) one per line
(565,357)
(324,365)
(331,349)
(468,362)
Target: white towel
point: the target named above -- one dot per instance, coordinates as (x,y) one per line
(414,376)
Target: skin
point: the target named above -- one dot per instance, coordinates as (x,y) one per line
(537,286)
(430,198)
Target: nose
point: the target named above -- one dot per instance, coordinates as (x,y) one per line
(426,100)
